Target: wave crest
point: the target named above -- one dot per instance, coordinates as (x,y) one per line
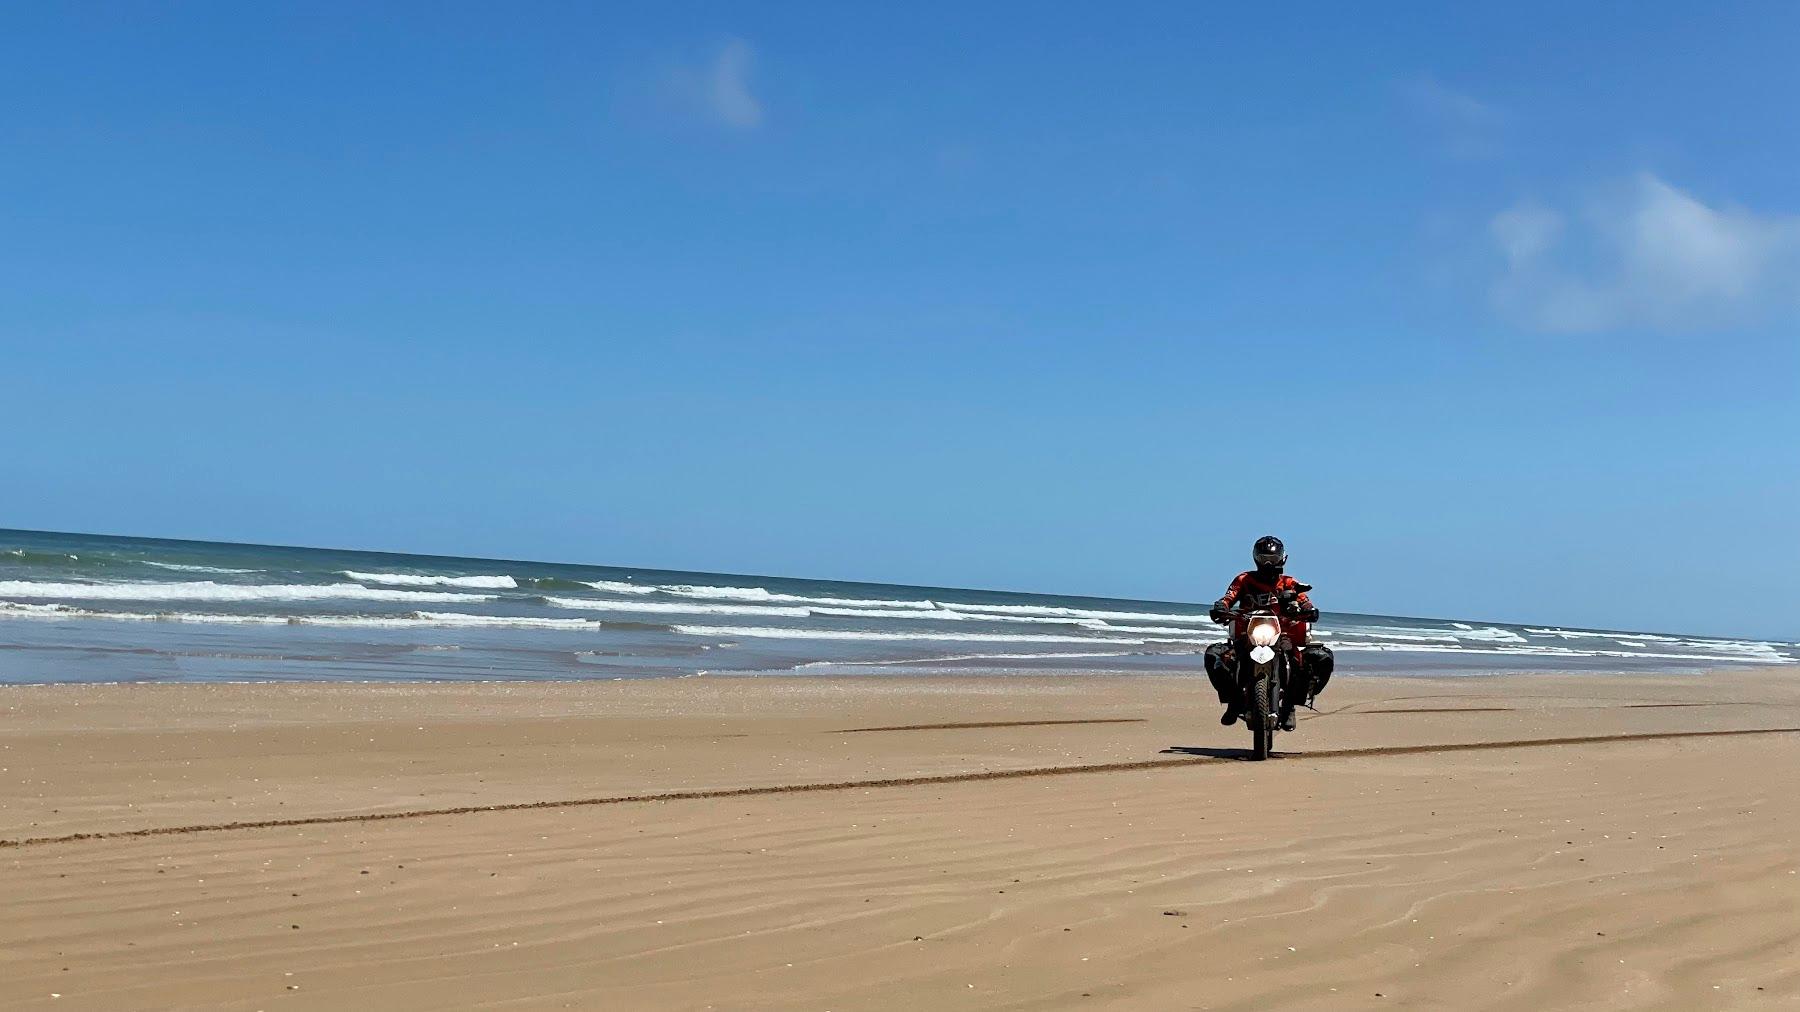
(224,592)
(413,580)
(769,632)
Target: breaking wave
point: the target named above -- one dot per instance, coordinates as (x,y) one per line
(410,620)
(1552,651)
(555,583)
(760,594)
(184,568)
(861,607)
(1584,634)
(807,611)
(224,592)
(1050,611)
(1458,633)
(615,586)
(955,658)
(767,632)
(676,607)
(410,580)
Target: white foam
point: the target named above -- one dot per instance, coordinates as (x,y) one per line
(1049,611)
(1082,655)
(615,587)
(761,594)
(1489,634)
(455,620)
(937,614)
(1758,650)
(411,580)
(885,607)
(1391,634)
(721,593)
(13,609)
(20,610)
(767,632)
(412,620)
(946,615)
(1583,634)
(220,570)
(1747,648)
(1530,650)
(224,592)
(678,607)
(1458,634)
(1146,630)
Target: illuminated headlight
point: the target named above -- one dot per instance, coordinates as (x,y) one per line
(1263,634)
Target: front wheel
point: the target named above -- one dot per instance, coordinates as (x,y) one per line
(1264,706)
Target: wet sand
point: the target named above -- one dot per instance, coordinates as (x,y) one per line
(1519,842)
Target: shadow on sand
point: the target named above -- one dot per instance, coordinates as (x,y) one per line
(1214,753)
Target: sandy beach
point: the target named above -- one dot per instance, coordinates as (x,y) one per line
(774,843)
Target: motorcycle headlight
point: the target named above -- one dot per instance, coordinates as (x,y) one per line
(1263,634)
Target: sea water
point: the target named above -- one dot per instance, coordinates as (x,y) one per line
(87,608)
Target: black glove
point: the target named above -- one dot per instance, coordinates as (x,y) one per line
(1221,610)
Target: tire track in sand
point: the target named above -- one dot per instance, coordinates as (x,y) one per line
(992,723)
(1218,756)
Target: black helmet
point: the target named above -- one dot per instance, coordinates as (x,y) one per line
(1269,552)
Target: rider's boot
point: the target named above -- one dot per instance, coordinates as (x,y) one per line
(1287,718)
(1232,713)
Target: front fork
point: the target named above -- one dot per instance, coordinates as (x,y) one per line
(1282,668)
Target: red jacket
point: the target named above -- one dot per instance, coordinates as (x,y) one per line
(1255,593)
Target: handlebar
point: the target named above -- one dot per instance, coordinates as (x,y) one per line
(1234,615)
(1276,610)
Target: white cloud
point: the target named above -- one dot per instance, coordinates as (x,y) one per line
(1525,231)
(719,90)
(1467,126)
(1646,255)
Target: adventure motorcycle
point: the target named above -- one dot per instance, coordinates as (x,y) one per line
(1263,657)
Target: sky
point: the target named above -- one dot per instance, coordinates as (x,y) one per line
(1489,312)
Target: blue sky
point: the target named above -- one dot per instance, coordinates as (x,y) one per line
(1490,313)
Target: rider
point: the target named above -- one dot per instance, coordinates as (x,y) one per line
(1313,662)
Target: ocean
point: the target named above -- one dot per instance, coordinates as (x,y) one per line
(88,608)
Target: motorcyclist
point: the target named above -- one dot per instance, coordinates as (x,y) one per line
(1268,584)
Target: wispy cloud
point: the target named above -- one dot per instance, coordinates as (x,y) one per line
(718,90)
(1645,255)
(1467,126)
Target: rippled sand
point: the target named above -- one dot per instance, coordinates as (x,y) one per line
(1425,843)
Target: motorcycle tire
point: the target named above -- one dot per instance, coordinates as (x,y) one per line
(1263,710)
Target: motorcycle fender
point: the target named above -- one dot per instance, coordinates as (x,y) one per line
(1262,655)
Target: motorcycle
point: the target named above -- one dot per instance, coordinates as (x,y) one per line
(1263,656)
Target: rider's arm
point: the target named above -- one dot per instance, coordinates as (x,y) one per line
(1236,588)
(1223,604)
(1306,610)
